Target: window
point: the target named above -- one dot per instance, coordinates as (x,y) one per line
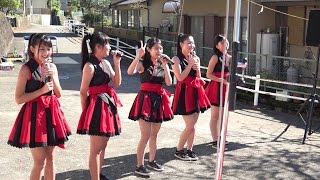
(130,19)
(137,19)
(119,18)
(126,18)
(123,20)
(243,32)
(115,16)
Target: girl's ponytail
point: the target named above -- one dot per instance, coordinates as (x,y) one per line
(84,50)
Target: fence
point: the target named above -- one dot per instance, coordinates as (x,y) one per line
(77,28)
(267,74)
(282,90)
(276,67)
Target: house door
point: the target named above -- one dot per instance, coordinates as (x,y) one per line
(197,24)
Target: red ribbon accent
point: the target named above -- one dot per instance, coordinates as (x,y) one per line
(165,94)
(198,83)
(194,81)
(105,88)
(49,101)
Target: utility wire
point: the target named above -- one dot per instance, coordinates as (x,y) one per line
(277,10)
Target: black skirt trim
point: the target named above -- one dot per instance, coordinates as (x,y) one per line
(107,134)
(39,144)
(147,119)
(202,110)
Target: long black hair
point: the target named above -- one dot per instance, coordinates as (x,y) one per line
(147,56)
(181,38)
(38,39)
(94,39)
(218,38)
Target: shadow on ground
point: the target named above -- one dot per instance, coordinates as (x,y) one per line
(286,119)
(124,166)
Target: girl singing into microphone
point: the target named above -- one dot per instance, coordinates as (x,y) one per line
(189,98)
(151,106)
(40,124)
(99,101)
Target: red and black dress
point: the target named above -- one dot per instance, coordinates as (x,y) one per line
(152,103)
(100,116)
(189,96)
(213,88)
(40,122)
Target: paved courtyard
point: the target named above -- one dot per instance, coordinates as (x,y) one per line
(252,154)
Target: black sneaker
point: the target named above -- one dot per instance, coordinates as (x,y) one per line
(182,155)
(143,171)
(103,177)
(215,144)
(192,155)
(155,166)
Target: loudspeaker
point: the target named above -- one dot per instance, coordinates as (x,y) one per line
(313,32)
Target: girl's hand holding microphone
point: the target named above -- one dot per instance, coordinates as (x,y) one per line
(193,62)
(164,60)
(48,71)
(117,55)
(196,65)
(47,87)
(48,77)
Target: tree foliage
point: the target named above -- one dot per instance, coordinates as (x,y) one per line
(91,18)
(74,6)
(94,5)
(54,5)
(9,5)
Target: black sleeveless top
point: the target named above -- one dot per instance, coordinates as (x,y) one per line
(152,73)
(37,79)
(218,66)
(184,64)
(99,77)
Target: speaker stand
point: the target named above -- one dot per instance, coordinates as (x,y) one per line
(310,103)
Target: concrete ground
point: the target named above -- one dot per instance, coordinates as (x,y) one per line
(252,153)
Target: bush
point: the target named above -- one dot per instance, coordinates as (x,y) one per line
(90,18)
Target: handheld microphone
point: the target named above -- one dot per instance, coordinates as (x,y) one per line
(193,53)
(169,61)
(47,78)
(117,53)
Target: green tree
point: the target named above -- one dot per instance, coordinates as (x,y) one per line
(7,6)
(91,18)
(74,6)
(94,5)
(54,5)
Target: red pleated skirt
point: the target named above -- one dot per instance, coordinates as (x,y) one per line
(190,97)
(152,104)
(100,116)
(40,123)
(213,90)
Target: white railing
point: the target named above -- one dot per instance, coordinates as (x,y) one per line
(119,45)
(257,90)
(123,47)
(76,27)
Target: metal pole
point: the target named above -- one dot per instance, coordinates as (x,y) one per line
(248,26)
(102,21)
(24,8)
(308,126)
(235,50)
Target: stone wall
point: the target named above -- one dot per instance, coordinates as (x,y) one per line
(23,21)
(6,34)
